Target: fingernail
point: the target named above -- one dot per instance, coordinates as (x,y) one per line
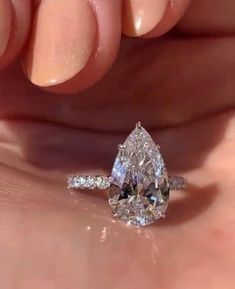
(141,16)
(5,25)
(62,41)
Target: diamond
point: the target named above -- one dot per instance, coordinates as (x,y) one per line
(102,182)
(99,181)
(71,182)
(80,182)
(90,182)
(139,190)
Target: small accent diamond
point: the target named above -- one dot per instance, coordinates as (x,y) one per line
(81,181)
(104,183)
(99,181)
(90,182)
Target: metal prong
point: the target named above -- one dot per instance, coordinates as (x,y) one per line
(114,214)
(163,216)
(158,146)
(138,125)
(121,146)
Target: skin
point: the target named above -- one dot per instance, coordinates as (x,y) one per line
(51,238)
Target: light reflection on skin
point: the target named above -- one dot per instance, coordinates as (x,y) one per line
(88,228)
(108,235)
(154,245)
(111,232)
(104,234)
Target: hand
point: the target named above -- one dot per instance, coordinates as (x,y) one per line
(182,88)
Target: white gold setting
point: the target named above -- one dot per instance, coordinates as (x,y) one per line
(139,185)
(103,182)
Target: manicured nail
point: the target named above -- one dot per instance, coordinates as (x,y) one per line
(141,16)
(5,25)
(62,41)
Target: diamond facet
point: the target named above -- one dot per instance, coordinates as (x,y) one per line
(139,190)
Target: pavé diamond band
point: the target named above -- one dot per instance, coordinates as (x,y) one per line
(139,185)
(90,182)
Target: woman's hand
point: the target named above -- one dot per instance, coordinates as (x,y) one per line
(182,88)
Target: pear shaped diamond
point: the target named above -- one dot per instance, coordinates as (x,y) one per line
(139,190)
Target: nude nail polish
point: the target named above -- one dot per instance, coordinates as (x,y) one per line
(141,16)
(5,25)
(62,41)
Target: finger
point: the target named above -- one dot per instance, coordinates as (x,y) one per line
(140,17)
(209,16)
(15,20)
(150,17)
(78,48)
(151,82)
(5,24)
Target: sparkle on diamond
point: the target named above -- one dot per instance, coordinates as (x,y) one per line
(139,190)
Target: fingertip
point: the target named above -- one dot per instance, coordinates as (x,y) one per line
(79,48)
(16,31)
(57,52)
(141,16)
(151,18)
(174,12)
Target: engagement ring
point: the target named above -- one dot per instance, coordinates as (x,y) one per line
(139,185)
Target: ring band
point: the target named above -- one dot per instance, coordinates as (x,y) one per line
(139,185)
(90,182)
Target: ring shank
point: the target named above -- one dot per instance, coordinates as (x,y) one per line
(177,183)
(103,182)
